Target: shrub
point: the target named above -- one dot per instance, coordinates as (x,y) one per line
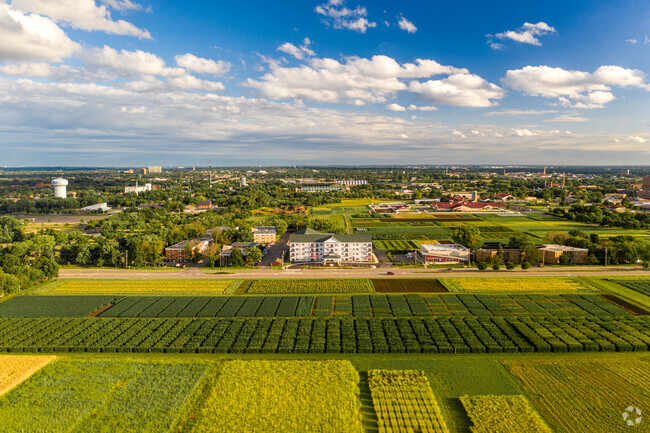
(496,266)
(481,266)
(526,265)
(510,266)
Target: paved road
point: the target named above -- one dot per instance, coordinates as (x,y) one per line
(276,251)
(345,273)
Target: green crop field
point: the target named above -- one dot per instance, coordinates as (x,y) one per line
(156,287)
(293,286)
(288,396)
(54,306)
(100,396)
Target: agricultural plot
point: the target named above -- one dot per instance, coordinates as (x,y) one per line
(544,333)
(293,286)
(399,245)
(575,396)
(281,396)
(641,286)
(54,306)
(15,369)
(158,287)
(337,221)
(503,414)
(408,285)
(419,302)
(100,396)
(403,402)
(516,285)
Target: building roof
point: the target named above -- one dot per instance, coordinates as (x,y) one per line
(182,244)
(445,250)
(264,230)
(315,237)
(562,248)
(495,246)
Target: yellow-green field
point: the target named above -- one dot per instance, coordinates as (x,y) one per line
(162,287)
(515,285)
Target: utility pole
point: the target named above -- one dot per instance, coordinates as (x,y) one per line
(605,256)
(126,259)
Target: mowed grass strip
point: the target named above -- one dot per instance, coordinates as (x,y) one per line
(312,286)
(54,306)
(280,396)
(503,414)
(162,287)
(515,285)
(100,396)
(16,368)
(408,285)
(576,396)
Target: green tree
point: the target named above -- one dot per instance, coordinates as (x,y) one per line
(253,254)
(236,257)
(467,236)
(48,266)
(565,259)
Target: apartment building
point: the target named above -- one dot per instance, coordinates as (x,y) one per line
(264,235)
(183,251)
(308,245)
(489,250)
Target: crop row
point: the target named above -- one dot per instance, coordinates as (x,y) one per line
(365,306)
(403,402)
(641,286)
(329,285)
(332,335)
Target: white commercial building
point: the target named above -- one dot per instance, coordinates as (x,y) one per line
(450,253)
(99,206)
(137,189)
(60,188)
(308,245)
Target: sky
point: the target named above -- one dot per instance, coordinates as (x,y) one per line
(317,82)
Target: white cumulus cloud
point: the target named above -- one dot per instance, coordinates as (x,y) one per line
(578,89)
(407,25)
(357,80)
(395,107)
(32,37)
(299,52)
(81,14)
(527,34)
(466,90)
(138,61)
(202,66)
(337,15)
(637,139)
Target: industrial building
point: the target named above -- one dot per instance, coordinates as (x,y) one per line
(155,169)
(60,188)
(308,245)
(96,207)
(444,254)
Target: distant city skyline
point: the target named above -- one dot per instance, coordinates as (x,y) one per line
(125,83)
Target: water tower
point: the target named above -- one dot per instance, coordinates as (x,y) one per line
(60,188)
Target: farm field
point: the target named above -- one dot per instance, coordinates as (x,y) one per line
(374,305)
(287,396)
(408,285)
(503,414)
(100,396)
(403,401)
(516,285)
(544,333)
(353,393)
(311,286)
(584,395)
(641,286)
(54,306)
(155,287)
(15,369)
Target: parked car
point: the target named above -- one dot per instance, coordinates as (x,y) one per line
(390,273)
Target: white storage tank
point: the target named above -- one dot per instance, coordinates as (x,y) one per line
(60,188)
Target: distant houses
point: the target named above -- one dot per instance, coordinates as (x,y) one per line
(553,252)
(183,251)
(227,251)
(489,251)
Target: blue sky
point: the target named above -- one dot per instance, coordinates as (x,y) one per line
(136,82)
